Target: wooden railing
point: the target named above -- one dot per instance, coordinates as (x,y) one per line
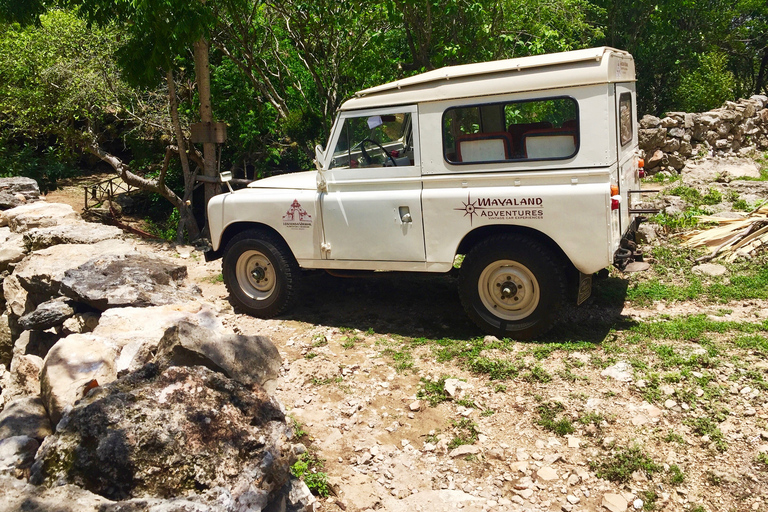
(105,190)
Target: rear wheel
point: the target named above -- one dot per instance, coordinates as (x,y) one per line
(260,273)
(512,286)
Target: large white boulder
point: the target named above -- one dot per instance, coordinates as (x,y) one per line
(136,332)
(39,215)
(70,369)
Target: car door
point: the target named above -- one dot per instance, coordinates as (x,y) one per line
(371,209)
(627,150)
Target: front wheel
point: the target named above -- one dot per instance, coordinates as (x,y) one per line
(260,273)
(512,286)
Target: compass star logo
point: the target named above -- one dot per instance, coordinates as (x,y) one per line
(469,208)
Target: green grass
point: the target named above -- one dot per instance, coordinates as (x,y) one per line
(548,418)
(433,392)
(308,468)
(675,475)
(619,466)
(537,374)
(466,433)
(674,437)
(706,426)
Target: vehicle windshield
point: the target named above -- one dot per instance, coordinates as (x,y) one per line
(374,141)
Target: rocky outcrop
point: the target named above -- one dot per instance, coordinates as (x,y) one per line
(189,425)
(171,432)
(75,233)
(73,366)
(17,191)
(25,417)
(247,359)
(131,280)
(39,215)
(735,128)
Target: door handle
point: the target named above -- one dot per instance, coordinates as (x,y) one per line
(405,214)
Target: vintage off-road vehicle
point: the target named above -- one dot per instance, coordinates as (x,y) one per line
(522,170)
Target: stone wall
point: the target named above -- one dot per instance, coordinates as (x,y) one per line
(737,128)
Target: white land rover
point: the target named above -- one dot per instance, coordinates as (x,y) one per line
(526,167)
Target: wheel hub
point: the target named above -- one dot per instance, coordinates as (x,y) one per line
(509,290)
(259,274)
(255,275)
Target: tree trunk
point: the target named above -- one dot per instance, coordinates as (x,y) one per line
(203,74)
(186,218)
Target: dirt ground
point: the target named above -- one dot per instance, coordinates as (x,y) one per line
(660,419)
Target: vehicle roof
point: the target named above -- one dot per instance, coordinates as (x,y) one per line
(554,70)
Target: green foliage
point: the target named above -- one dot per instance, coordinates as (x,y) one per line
(307,468)
(620,465)
(433,391)
(706,86)
(548,418)
(41,164)
(466,433)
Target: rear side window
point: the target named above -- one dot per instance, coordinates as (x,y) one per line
(545,129)
(625,118)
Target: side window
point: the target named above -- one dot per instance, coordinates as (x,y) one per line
(522,130)
(625,118)
(384,140)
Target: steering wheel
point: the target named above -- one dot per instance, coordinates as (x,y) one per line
(361,145)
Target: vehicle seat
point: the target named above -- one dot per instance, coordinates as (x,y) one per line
(550,143)
(484,147)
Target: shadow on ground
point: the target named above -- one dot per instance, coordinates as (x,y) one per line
(417,305)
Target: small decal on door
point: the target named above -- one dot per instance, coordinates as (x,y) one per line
(503,208)
(297,217)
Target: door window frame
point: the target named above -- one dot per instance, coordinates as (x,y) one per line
(343,116)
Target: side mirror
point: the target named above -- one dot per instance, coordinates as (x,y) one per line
(319,156)
(226,177)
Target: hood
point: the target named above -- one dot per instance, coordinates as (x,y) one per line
(305,180)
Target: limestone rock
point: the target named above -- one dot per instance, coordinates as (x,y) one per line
(17,454)
(26,187)
(709,269)
(75,233)
(126,280)
(36,343)
(9,201)
(136,332)
(48,314)
(18,495)
(25,417)
(81,323)
(621,371)
(246,359)
(70,366)
(614,502)
(24,377)
(165,434)
(465,449)
(11,248)
(16,297)
(39,215)
(6,342)
(41,272)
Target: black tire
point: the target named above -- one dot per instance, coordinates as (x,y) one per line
(512,286)
(260,273)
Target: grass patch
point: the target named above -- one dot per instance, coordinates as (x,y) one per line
(674,437)
(548,418)
(466,433)
(308,469)
(620,466)
(675,475)
(537,374)
(705,426)
(433,391)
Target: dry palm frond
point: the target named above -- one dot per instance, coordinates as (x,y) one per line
(732,237)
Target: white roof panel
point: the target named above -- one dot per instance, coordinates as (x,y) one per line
(554,70)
